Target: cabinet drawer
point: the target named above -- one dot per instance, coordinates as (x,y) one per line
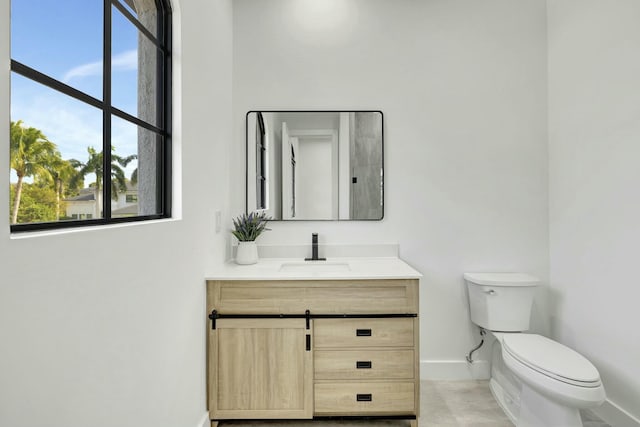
(364,398)
(345,333)
(378,296)
(363,364)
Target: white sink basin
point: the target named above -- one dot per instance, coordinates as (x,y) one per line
(315,267)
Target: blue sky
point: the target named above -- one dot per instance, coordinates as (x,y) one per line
(64,41)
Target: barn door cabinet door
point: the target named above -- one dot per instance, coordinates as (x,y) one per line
(262,369)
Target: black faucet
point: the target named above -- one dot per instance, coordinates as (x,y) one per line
(314,249)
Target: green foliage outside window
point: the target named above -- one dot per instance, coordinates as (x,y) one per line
(45,179)
(37,204)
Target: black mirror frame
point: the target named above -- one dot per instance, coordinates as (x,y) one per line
(246,159)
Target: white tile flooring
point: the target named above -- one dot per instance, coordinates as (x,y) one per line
(442,404)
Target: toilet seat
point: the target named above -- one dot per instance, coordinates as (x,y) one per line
(551,359)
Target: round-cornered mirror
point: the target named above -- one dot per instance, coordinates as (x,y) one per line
(315,165)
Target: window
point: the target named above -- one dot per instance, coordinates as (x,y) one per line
(90,112)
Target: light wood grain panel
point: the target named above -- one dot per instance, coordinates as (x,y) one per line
(343,333)
(363,364)
(322,296)
(341,398)
(416,332)
(263,369)
(212,370)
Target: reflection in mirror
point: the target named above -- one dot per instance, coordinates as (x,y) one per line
(315,165)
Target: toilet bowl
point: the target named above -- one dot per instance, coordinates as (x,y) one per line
(547,383)
(556,381)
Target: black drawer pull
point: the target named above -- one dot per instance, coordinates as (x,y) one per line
(363,332)
(363,364)
(308,344)
(364,397)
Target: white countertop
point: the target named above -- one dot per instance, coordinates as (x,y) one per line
(337,268)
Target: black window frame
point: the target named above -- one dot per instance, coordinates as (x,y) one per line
(163,42)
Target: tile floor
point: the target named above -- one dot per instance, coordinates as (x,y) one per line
(443,404)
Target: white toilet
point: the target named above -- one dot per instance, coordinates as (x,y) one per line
(537,381)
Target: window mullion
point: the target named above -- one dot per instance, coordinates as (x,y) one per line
(153,39)
(106,118)
(167,101)
(44,79)
(160,117)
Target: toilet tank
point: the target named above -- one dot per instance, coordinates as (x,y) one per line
(501,301)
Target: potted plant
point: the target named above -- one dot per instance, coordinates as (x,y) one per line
(247,228)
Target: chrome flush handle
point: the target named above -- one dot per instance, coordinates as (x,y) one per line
(490,292)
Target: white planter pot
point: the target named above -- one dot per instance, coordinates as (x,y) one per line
(247,253)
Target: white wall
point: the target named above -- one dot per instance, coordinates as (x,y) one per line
(462,85)
(106,327)
(594,132)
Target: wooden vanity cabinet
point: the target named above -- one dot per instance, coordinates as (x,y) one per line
(306,349)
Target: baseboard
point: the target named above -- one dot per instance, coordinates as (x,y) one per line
(454,370)
(205,421)
(615,415)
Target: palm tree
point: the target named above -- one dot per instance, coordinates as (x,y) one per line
(62,174)
(29,152)
(95,165)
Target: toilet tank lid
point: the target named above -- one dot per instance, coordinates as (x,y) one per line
(502,279)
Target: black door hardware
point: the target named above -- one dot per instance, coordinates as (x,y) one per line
(213,316)
(308,316)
